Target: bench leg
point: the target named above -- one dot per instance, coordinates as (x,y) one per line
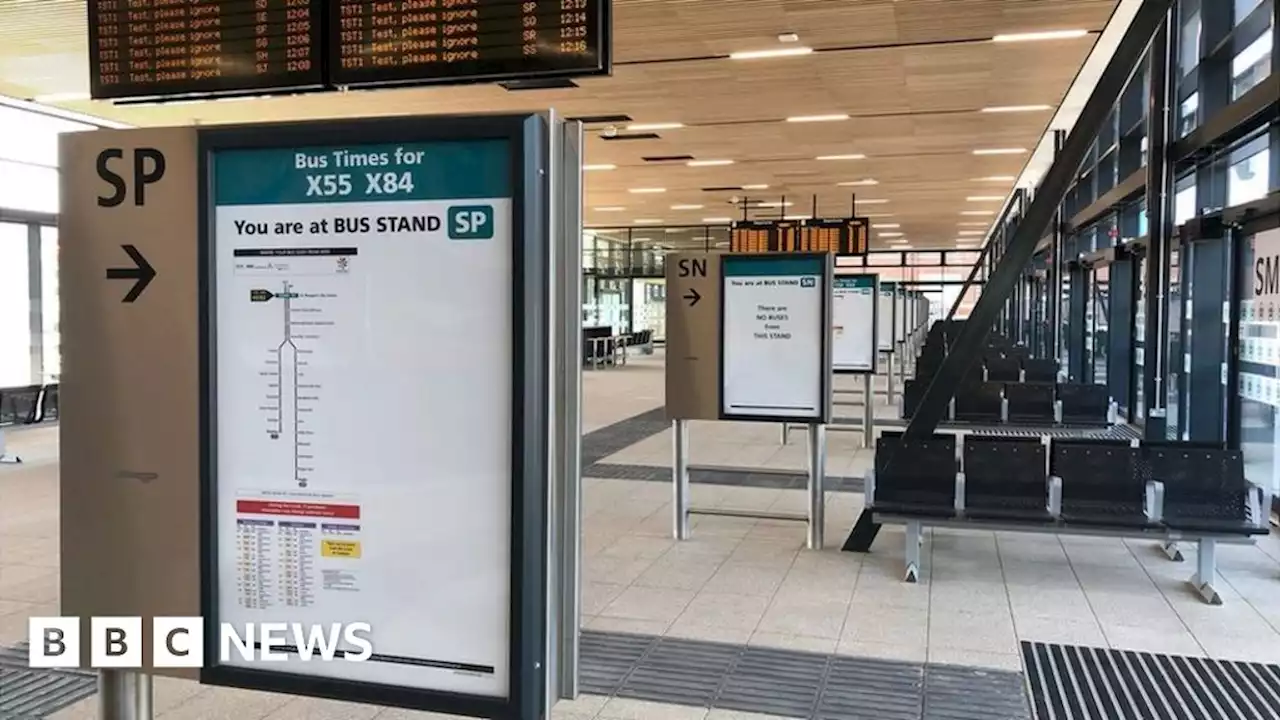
(1206,568)
(914,540)
(1171,551)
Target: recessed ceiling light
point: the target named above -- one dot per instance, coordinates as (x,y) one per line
(647,191)
(599,167)
(775,53)
(788,37)
(708,163)
(610,208)
(984,198)
(796,217)
(972,232)
(637,127)
(1045,35)
(880,201)
(642,239)
(999,151)
(859,183)
(975,224)
(978,212)
(1016,108)
(61,97)
(834,117)
(717,220)
(647,221)
(889,234)
(851,156)
(686,207)
(774,204)
(875,215)
(995,178)
(886,226)
(759,186)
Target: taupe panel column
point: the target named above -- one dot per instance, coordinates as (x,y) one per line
(130,528)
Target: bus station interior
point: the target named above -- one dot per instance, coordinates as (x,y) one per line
(1147,288)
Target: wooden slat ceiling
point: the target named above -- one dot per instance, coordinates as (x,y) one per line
(913,74)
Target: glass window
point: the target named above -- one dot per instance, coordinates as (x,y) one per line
(1247,180)
(966,259)
(1189,58)
(921,259)
(1251,66)
(1184,205)
(31,137)
(1243,8)
(884,259)
(28,187)
(1188,114)
(15,306)
(50,322)
(1259,382)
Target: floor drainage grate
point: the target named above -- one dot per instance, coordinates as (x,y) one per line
(788,683)
(27,693)
(1084,683)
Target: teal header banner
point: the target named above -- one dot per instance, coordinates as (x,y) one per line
(888,288)
(445,170)
(855,281)
(763,265)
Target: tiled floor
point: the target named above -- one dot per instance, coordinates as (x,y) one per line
(752,581)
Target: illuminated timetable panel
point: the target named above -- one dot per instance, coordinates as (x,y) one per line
(376,42)
(170,48)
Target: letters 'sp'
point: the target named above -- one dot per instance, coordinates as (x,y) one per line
(54,642)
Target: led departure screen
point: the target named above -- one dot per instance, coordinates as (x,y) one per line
(445,41)
(168,48)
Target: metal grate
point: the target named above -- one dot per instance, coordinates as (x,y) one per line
(788,683)
(1083,683)
(27,693)
(603,442)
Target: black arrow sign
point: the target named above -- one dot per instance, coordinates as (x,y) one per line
(141,273)
(692,296)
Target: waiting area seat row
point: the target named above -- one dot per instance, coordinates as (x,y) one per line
(1169,491)
(989,402)
(26,405)
(601,348)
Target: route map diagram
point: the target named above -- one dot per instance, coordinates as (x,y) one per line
(302,322)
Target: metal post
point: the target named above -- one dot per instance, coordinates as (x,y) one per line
(817,483)
(1159,222)
(888,379)
(868,411)
(124,695)
(1056,266)
(680,477)
(786,430)
(565,497)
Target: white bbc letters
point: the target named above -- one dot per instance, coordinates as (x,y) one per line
(115,642)
(54,641)
(177,642)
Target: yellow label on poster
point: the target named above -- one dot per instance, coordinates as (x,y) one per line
(340,548)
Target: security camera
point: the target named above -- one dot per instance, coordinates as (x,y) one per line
(611,131)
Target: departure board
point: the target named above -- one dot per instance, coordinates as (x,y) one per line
(377,42)
(171,48)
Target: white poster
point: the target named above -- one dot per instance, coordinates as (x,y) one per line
(884,317)
(900,310)
(363,402)
(853,323)
(772,337)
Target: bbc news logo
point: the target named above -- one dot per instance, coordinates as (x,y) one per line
(117,642)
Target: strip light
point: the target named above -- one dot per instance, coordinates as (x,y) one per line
(776,53)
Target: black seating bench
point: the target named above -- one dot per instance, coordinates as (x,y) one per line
(912,393)
(20,405)
(1102,483)
(1084,404)
(1029,402)
(920,484)
(1168,492)
(1004,479)
(980,402)
(1004,369)
(1205,493)
(1040,370)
